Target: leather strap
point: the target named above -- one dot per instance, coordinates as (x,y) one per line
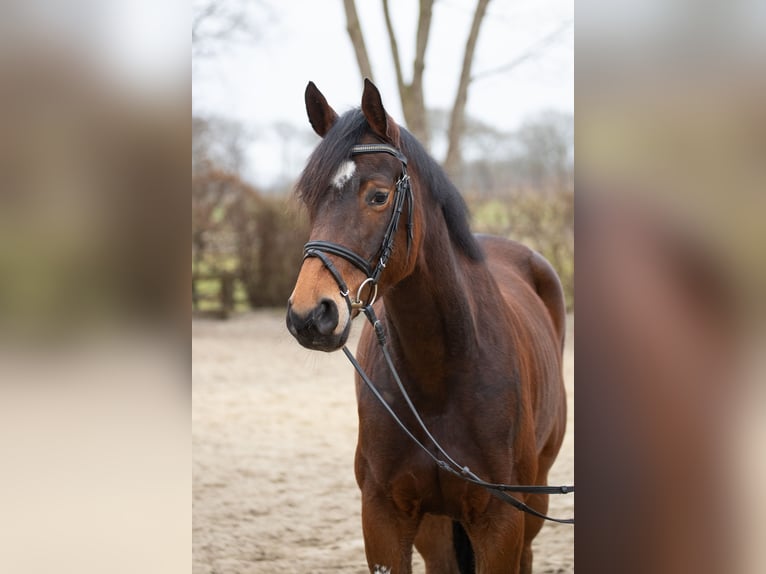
(450,465)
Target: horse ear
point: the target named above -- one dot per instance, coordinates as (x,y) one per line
(321,115)
(380,122)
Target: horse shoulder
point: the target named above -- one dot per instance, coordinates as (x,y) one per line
(510,260)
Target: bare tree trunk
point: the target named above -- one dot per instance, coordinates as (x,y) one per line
(411,95)
(453,160)
(357,39)
(418,118)
(394,49)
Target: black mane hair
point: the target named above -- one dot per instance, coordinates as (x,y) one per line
(433,177)
(335,148)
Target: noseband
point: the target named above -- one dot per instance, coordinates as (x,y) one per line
(321,249)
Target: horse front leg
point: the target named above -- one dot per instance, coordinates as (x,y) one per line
(498,541)
(532,526)
(435,543)
(388,534)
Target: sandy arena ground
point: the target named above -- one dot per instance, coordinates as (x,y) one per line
(274,431)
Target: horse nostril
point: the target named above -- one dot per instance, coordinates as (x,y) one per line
(326,317)
(297,323)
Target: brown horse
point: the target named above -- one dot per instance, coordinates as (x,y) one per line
(475,327)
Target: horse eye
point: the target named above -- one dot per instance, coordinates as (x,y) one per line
(378,197)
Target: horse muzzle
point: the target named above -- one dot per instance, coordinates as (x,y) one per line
(318,328)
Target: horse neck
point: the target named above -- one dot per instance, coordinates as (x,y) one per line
(431,313)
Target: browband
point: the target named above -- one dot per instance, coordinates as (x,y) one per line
(374,148)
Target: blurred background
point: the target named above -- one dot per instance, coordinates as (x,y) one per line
(94,402)
(99,100)
(487,87)
(671,190)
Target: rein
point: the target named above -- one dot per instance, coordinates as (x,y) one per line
(320,249)
(499,491)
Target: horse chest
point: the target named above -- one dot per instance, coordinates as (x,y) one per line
(419,489)
(389,465)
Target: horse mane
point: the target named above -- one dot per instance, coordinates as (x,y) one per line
(433,178)
(335,148)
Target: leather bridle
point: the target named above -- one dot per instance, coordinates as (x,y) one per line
(321,249)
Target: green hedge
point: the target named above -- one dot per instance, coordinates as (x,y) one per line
(543,221)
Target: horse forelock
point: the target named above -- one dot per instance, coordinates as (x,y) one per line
(327,167)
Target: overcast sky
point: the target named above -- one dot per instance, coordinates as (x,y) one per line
(261,81)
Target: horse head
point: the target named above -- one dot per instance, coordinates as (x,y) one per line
(357,189)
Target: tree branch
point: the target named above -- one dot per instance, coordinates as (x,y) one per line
(357,39)
(527,54)
(394,49)
(452,161)
(413,101)
(424,27)
(217,24)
